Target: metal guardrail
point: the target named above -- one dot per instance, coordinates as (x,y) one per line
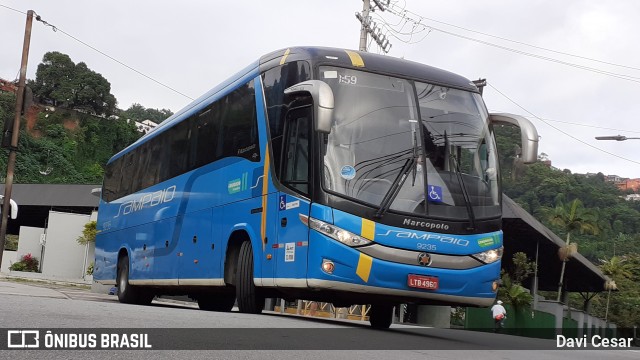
(324,309)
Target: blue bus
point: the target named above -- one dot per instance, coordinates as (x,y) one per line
(314,173)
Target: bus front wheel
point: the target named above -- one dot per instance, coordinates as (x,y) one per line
(381,316)
(127,293)
(249,301)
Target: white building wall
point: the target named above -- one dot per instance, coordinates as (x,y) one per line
(8,258)
(29,242)
(63,256)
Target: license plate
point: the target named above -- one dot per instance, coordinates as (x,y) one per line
(422,282)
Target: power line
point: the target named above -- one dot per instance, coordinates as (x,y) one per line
(578,124)
(560,130)
(16,10)
(584,125)
(57,29)
(604,72)
(516,42)
(521,52)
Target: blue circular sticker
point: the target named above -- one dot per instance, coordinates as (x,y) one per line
(348,172)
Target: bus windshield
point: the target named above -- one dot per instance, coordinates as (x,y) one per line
(383,124)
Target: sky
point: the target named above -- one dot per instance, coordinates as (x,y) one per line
(571,66)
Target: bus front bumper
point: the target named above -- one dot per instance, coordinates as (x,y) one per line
(354,271)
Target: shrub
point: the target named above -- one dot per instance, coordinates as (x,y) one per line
(27,263)
(88,233)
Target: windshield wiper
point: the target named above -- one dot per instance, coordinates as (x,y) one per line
(395,187)
(402,176)
(463,187)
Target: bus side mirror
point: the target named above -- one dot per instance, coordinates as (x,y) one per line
(528,134)
(322,102)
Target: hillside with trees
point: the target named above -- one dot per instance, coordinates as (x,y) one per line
(589,211)
(74,126)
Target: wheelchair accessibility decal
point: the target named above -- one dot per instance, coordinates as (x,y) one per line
(434,193)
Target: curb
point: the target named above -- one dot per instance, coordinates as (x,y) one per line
(82,284)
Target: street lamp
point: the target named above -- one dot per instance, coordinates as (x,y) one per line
(616,138)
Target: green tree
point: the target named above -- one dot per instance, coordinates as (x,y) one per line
(572,217)
(92,92)
(138,112)
(88,233)
(616,268)
(513,293)
(54,77)
(63,83)
(522,267)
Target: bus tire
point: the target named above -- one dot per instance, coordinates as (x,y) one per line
(127,293)
(381,316)
(218,302)
(249,301)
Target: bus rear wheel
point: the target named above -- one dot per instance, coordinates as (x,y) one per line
(217,302)
(249,301)
(381,316)
(127,293)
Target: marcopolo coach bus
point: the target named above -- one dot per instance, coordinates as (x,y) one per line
(314,173)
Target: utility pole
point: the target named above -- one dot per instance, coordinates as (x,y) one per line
(366,5)
(480,84)
(370,27)
(11,162)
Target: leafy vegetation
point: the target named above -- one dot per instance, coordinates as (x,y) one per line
(604,225)
(61,82)
(70,142)
(511,291)
(26,263)
(88,233)
(11,242)
(138,112)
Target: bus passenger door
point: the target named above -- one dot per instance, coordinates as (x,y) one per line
(293,234)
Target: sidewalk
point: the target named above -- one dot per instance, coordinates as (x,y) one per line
(15,288)
(11,284)
(38,277)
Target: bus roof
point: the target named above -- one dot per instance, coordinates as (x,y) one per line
(370,62)
(317,55)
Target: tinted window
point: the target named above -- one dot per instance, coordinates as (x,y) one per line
(111,180)
(240,128)
(225,128)
(205,133)
(295,172)
(275,81)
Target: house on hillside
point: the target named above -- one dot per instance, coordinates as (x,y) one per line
(629,184)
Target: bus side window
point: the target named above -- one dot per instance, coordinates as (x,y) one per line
(295,162)
(128,170)
(275,80)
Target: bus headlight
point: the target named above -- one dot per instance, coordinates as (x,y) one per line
(346,237)
(490,256)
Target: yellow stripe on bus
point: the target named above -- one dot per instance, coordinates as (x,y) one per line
(356,59)
(284,57)
(265,190)
(364,267)
(368,230)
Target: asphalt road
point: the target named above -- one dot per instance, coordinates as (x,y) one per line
(266,336)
